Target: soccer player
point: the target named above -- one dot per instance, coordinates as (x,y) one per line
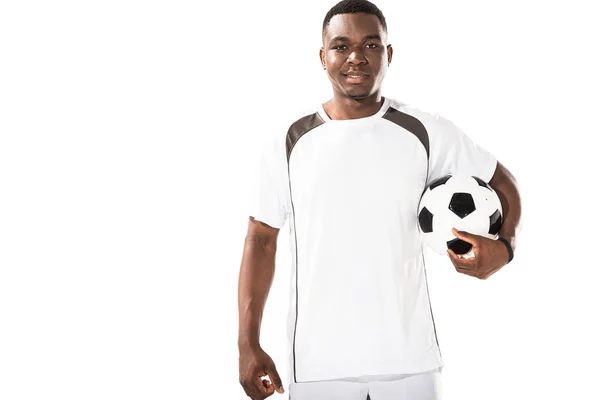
(348,176)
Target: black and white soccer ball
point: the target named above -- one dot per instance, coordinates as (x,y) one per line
(464,202)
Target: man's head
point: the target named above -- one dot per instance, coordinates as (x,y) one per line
(355,52)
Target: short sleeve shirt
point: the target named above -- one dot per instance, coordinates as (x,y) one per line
(359,303)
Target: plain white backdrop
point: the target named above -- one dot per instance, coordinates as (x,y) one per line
(128,134)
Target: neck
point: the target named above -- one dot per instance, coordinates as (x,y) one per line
(343,107)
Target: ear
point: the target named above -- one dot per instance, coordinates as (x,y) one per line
(390,53)
(322,57)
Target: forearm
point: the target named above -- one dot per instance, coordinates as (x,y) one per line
(507,188)
(256,275)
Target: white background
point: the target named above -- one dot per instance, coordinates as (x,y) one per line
(127,135)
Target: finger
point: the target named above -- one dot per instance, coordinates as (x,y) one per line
(461,263)
(251,388)
(268,388)
(461,267)
(263,388)
(465,271)
(466,236)
(470,257)
(267,384)
(275,379)
(258,395)
(468,263)
(254,392)
(458,260)
(475,253)
(453,257)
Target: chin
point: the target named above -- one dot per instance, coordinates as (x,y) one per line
(358,96)
(359,92)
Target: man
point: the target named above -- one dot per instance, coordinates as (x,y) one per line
(348,176)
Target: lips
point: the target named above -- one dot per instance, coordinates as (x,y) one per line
(355,74)
(356,77)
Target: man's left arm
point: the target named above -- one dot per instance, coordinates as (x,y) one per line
(491,255)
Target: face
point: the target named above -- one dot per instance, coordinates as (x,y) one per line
(355,54)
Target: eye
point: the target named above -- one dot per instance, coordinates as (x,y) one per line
(339,47)
(375,45)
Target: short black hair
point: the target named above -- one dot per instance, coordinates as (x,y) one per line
(351,7)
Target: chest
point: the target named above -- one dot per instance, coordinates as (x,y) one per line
(361,165)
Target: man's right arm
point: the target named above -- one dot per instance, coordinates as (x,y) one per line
(256,275)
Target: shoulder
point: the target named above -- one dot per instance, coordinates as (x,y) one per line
(299,116)
(290,118)
(280,124)
(426,117)
(434,122)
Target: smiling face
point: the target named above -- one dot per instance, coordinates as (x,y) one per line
(355,54)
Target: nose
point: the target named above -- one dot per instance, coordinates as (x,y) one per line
(357,57)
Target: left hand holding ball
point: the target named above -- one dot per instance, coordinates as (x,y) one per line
(489,256)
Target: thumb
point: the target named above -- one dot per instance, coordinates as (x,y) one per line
(272,371)
(466,236)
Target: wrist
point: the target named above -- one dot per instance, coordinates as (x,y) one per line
(247,344)
(508,246)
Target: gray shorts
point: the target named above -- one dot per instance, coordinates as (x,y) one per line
(423,386)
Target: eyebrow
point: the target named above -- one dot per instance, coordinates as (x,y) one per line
(347,39)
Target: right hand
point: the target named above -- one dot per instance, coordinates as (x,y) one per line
(255,363)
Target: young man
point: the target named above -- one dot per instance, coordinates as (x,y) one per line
(348,176)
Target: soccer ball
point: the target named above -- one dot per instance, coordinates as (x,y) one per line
(464,202)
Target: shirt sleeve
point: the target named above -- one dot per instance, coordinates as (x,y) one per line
(453,152)
(266,200)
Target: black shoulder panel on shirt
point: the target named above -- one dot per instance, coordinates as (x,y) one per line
(411,124)
(299,128)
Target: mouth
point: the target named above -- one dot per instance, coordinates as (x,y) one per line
(356,78)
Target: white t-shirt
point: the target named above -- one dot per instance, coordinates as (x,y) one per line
(359,302)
